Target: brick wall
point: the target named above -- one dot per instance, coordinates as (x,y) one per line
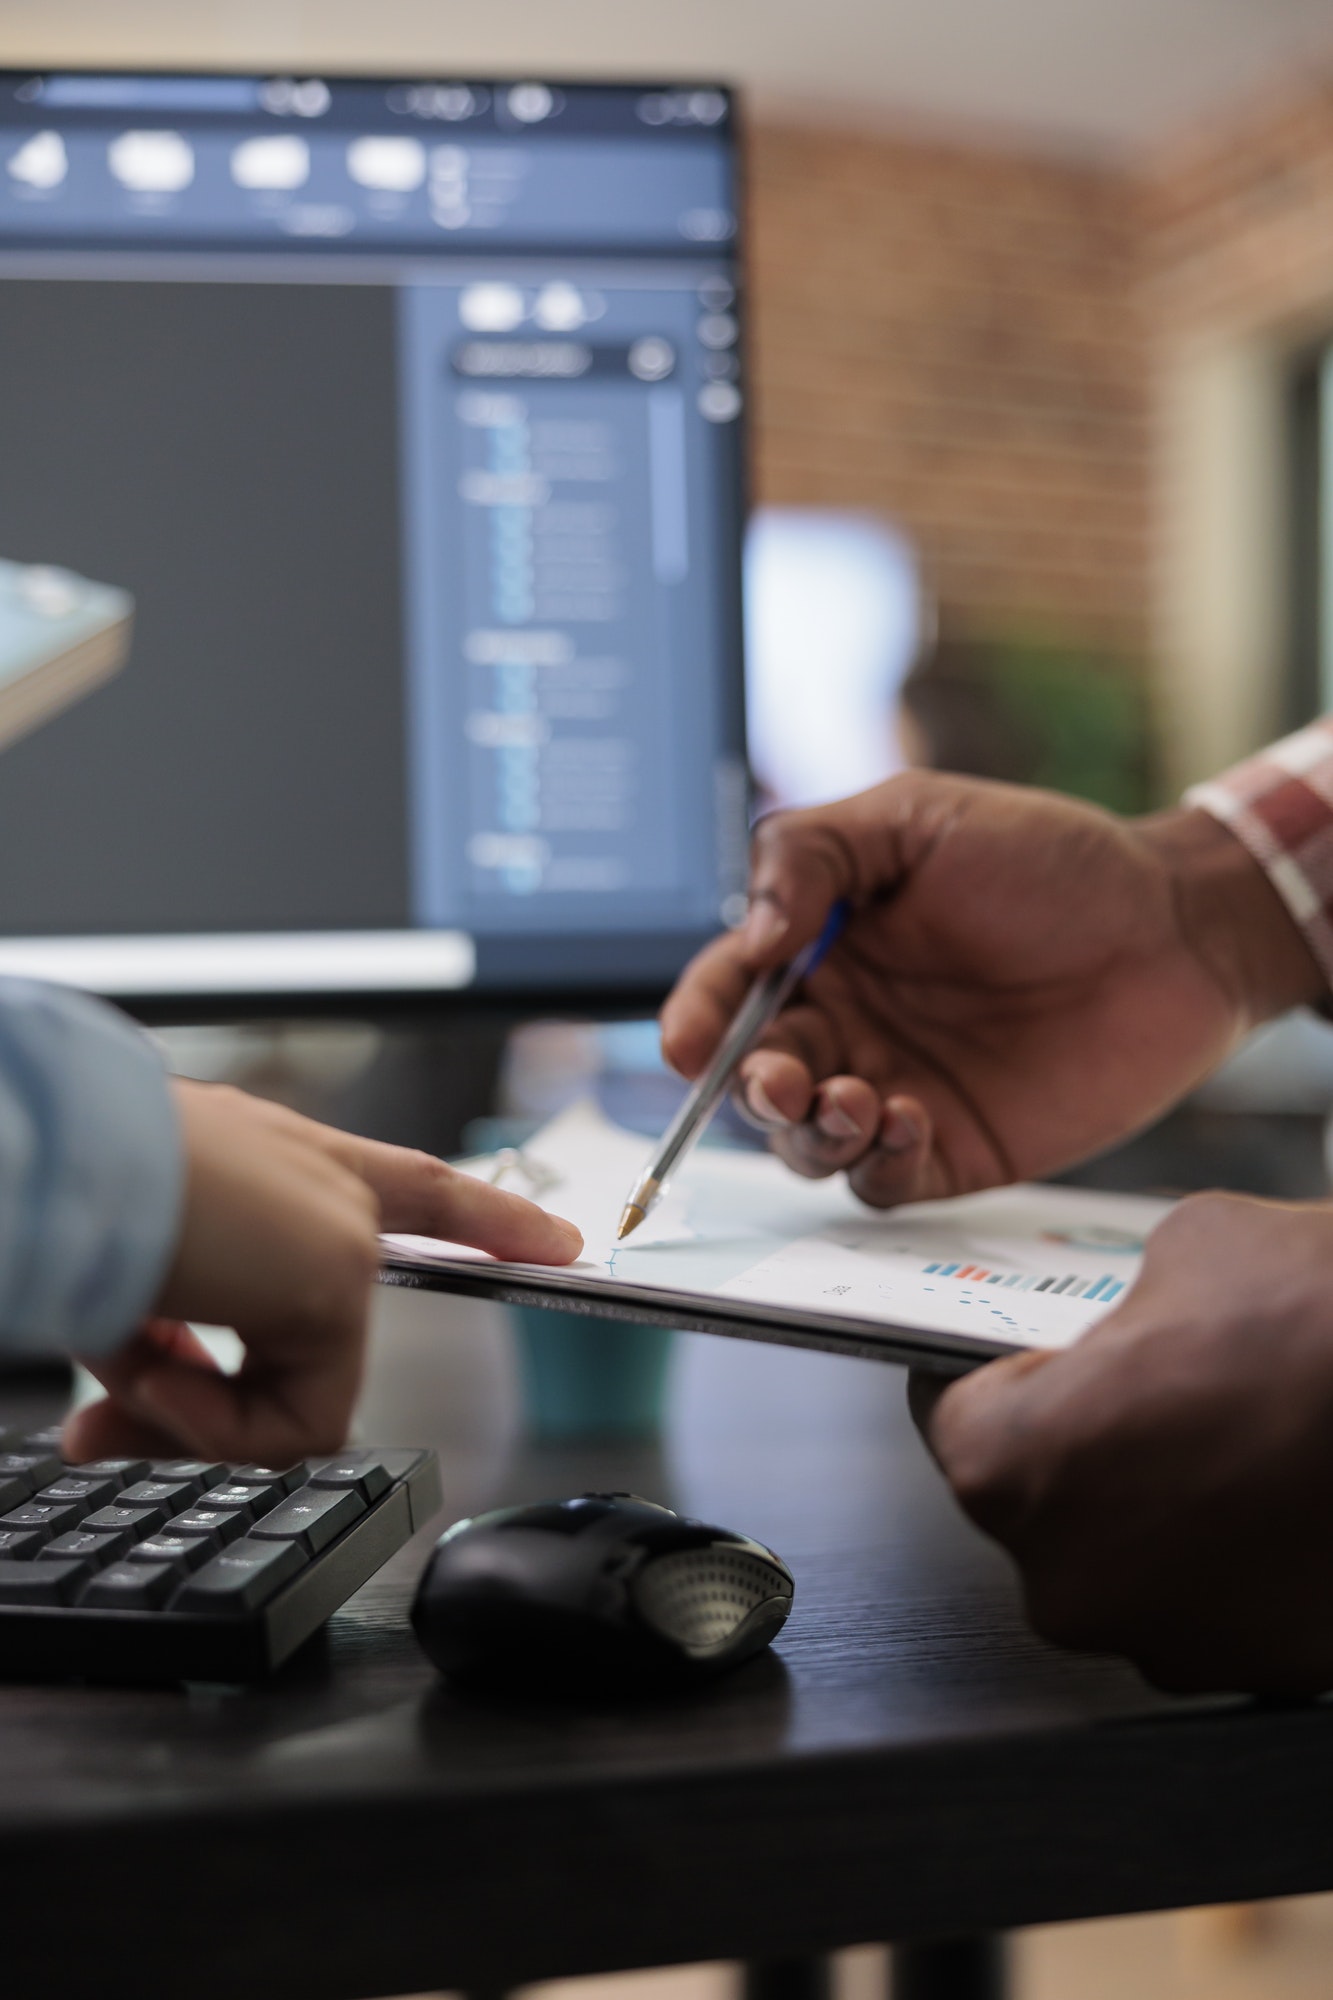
(1239,224)
(951,337)
(1237,231)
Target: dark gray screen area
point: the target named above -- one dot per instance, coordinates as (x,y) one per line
(228,453)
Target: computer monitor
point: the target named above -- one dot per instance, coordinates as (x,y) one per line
(409,412)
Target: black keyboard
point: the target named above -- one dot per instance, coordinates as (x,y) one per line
(176,1569)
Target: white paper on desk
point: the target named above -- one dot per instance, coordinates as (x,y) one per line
(60,636)
(1025,1266)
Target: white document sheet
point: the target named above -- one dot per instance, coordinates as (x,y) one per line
(60,636)
(738,1238)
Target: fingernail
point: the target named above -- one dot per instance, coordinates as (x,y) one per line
(764,925)
(898,1134)
(763,1106)
(835,1123)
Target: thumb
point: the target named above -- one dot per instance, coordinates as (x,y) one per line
(290,1397)
(116,1426)
(980,1431)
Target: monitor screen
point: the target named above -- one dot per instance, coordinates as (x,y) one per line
(408,412)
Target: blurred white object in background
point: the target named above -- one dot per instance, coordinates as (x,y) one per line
(1285,1066)
(834,620)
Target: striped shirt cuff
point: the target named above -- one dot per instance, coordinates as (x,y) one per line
(1280,806)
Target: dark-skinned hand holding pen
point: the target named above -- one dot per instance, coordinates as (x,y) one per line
(1022,981)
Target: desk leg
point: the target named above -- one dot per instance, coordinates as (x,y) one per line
(788,1979)
(968,1968)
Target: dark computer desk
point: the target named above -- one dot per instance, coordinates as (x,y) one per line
(910,1765)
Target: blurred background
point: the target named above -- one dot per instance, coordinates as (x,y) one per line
(1041,295)
(1040,415)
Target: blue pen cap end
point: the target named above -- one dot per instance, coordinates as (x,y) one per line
(832,931)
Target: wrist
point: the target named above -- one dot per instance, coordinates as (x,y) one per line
(1231,916)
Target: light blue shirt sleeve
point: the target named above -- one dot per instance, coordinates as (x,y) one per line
(91,1172)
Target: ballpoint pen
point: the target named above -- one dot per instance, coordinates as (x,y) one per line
(761,1006)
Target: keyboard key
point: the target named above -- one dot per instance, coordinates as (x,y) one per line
(360,1470)
(85,1547)
(172,1494)
(16,1542)
(241,1579)
(92,1492)
(39,1583)
(35,1468)
(139,1521)
(215,1525)
(13,1493)
(45,1515)
(287,1478)
(200,1472)
(311,1518)
(183,1552)
(243,1498)
(256,1497)
(122,1470)
(128,1586)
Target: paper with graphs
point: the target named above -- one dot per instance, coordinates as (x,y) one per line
(1026,1266)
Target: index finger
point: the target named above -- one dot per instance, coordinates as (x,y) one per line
(855,850)
(425,1197)
(800,864)
(704,1004)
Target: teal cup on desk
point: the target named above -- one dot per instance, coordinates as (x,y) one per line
(586,1377)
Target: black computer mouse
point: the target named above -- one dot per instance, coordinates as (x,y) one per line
(606,1590)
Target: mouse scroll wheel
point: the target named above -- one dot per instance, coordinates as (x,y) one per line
(697,1598)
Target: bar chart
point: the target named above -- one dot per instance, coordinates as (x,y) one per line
(1069,1286)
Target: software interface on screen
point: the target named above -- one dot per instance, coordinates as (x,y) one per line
(409,414)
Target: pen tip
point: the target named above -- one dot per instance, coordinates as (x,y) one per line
(631,1216)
